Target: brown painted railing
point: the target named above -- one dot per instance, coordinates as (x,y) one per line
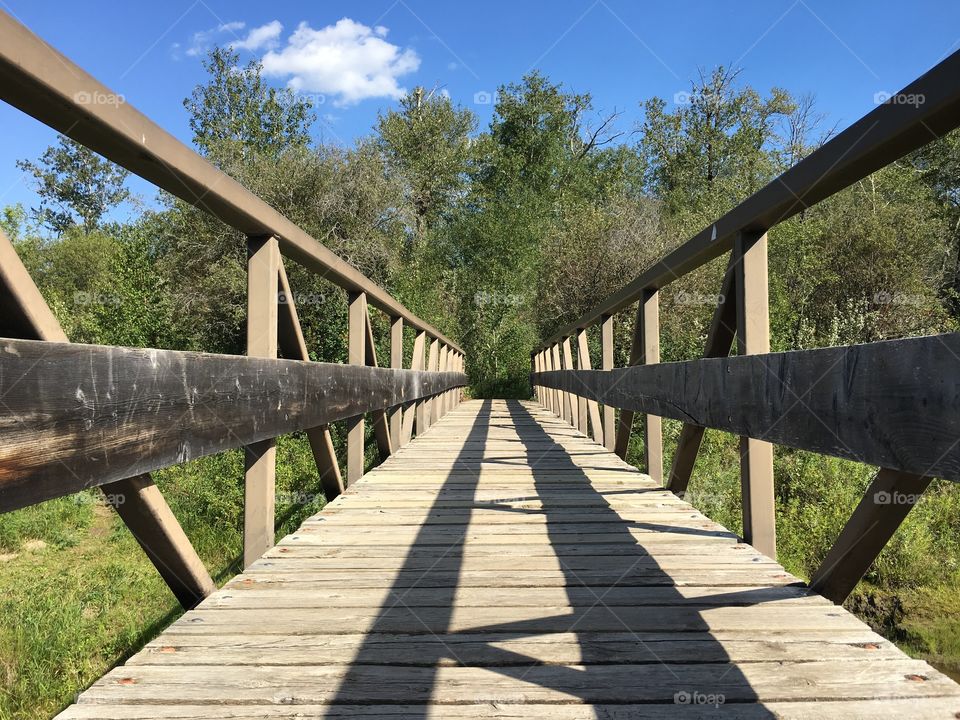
(894,404)
(80,416)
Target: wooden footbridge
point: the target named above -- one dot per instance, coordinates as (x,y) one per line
(501,560)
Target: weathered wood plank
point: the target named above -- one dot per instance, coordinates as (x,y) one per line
(79,416)
(895,404)
(486,650)
(137,500)
(260,458)
(748,682)
(944,708)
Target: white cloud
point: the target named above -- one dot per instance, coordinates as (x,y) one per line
(265,36)
(201,41)
(348,61)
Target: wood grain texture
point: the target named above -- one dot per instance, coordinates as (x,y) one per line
(260,459)
(895,404)
(78,416)
(24,313)
(450,583)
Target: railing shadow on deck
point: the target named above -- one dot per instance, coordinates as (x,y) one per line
(591,616)
(443,561)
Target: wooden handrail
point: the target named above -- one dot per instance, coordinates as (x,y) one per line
(892,404)
(78,416)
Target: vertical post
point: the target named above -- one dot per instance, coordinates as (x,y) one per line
(753,337)
(433,364)
(419,411)
(581,400)
(444,362)
(555,365)
(653,429)
(569,406)
(396,361)
(606,363)
(357,352)
(590,407)
(644,349)
(263,268)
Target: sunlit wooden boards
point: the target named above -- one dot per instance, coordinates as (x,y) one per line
(502,565)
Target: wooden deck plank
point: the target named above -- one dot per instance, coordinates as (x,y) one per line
(502,565)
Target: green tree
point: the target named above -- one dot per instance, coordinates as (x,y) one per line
(427,143)
(714,149)
(76,186)
(541,186)
(236,114)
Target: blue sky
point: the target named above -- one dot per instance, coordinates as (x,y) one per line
(357,56)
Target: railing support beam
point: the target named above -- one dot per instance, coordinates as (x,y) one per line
(433,365)
(645,350)
(591,407)
(293,346)
(356,355)
(606,363)
(723,330)
(396,361)
(144,510)
(884,506)
(569,405)
(378,418)
(419,411)
(555,364)
(263,272)
(753,338)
